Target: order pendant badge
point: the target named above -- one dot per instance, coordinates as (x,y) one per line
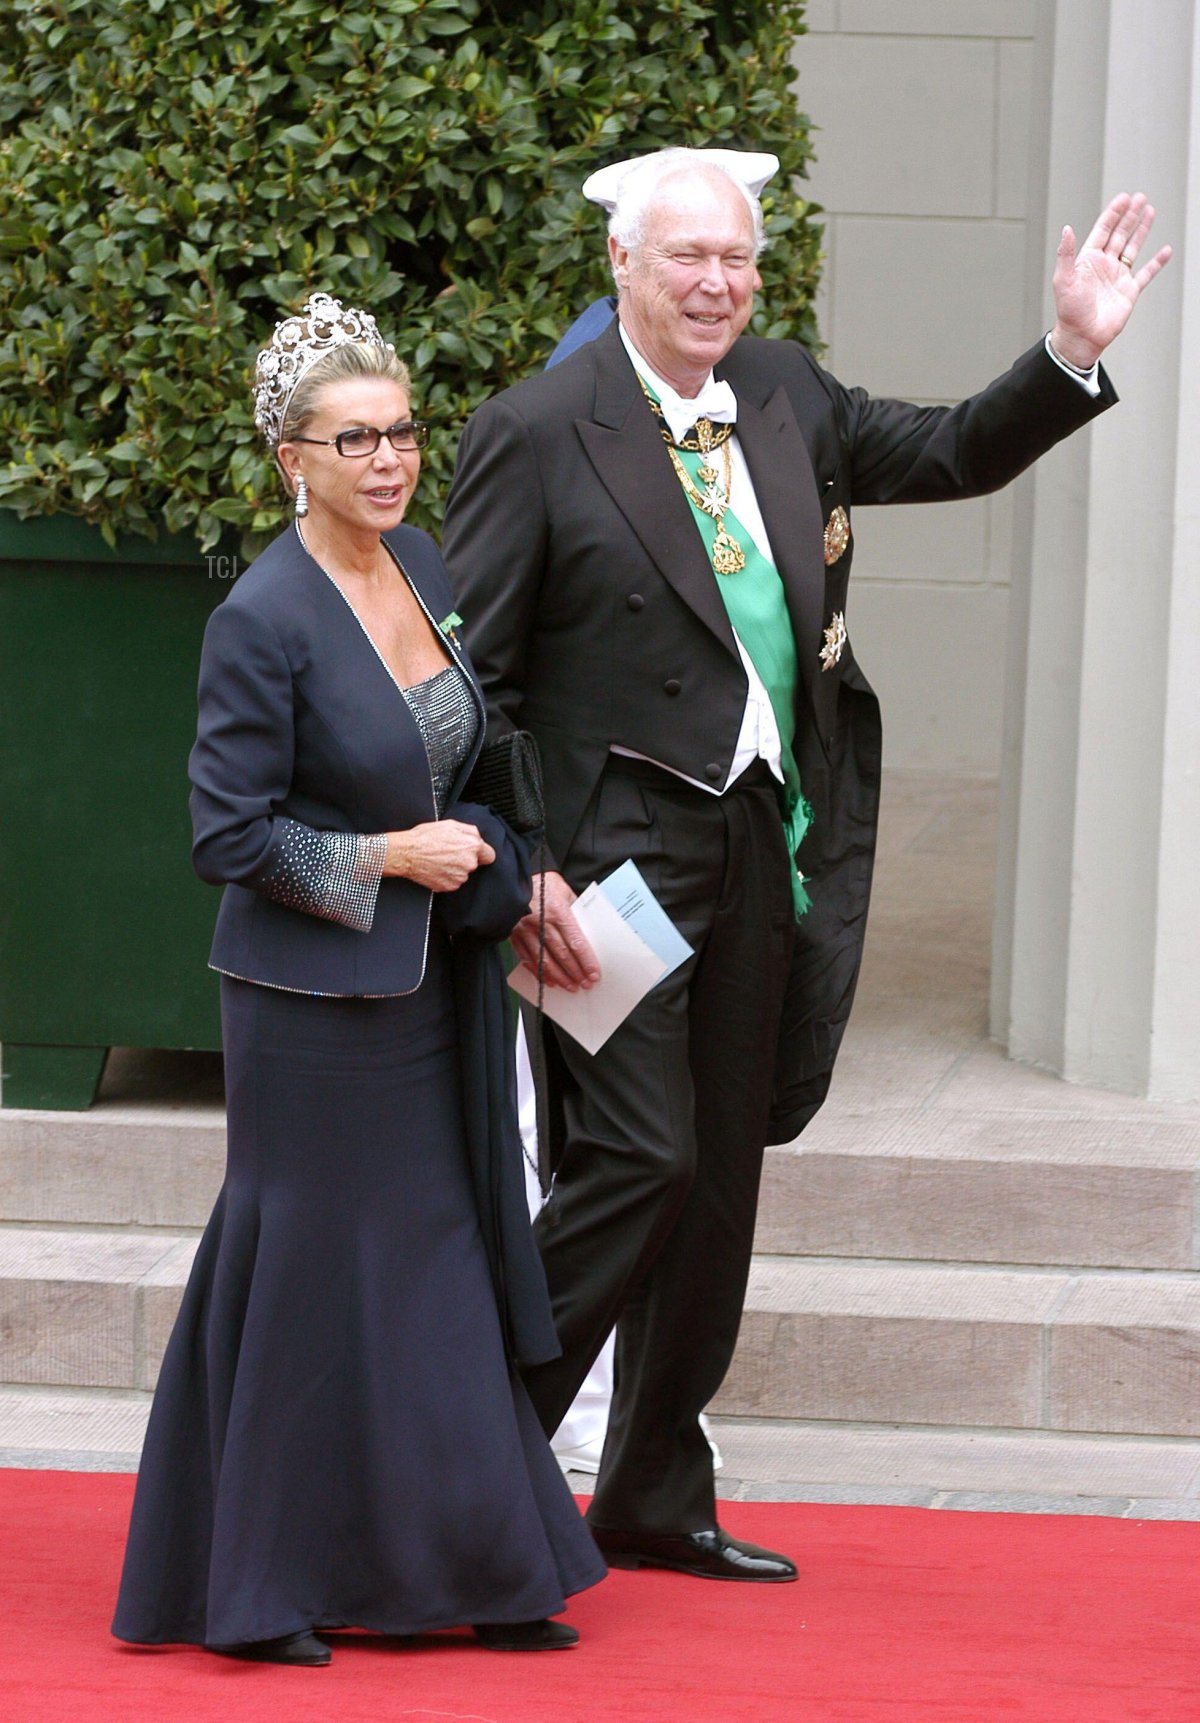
(837,534)
(728,557)
(835,641)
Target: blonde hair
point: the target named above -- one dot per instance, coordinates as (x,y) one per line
(352,359)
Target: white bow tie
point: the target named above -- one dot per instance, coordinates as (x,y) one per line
(716,401)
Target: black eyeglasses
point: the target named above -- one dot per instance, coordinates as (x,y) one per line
(365,439)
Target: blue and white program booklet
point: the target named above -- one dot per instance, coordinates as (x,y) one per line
(635,943)
(637,905)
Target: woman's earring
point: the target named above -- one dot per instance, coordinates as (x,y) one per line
(301,498)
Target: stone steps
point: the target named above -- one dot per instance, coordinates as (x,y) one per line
(149,1153)
(88,1307)
(975,1284)
(85,1431)
(853,1341)
(117,1166)
(948,1185)
(956,1344)
(935,1186)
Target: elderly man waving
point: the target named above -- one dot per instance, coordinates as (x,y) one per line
(650,545)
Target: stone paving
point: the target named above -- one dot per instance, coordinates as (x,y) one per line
(996,1472)
(764,1461)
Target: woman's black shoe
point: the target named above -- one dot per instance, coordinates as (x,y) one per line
(526,1635)
(301,1649)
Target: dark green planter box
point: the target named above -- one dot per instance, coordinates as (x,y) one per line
(104,928)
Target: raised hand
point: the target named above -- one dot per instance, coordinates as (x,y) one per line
(1097,286)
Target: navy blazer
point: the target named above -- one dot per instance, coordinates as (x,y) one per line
(304,744)
(592,321)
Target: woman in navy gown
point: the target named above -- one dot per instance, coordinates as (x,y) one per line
(338,1436)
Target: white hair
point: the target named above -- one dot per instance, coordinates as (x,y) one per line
(638,189)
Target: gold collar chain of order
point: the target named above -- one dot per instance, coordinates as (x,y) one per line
(728,557)
(706,435)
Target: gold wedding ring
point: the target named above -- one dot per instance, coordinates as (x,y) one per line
(1127,259)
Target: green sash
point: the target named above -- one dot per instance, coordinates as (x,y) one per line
(755,602)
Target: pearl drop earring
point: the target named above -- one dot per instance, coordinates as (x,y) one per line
(301,498)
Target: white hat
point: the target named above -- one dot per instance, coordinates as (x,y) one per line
(752,168)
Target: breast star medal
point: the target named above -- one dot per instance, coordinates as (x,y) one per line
(837,534)
(835,641)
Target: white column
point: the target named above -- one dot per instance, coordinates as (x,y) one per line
(1097,961)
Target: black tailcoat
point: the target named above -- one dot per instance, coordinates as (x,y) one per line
(594,617)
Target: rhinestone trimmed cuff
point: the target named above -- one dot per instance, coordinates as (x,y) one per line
(333,875)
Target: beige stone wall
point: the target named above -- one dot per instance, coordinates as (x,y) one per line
(923,110)
(1097,945)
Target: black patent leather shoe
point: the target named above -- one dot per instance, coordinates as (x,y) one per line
(706,1555)
(526,1635)
(302,1650)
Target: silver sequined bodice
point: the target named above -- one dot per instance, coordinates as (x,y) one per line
(447,718)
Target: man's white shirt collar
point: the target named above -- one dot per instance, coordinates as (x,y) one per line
(716,401)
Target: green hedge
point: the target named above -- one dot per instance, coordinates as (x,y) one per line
(176,174)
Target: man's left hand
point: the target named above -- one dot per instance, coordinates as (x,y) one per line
(1096,287)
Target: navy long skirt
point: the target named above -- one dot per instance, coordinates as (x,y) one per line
(336,1436)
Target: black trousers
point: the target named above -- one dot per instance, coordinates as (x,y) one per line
(651,1223)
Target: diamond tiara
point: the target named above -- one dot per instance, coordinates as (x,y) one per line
(296,346)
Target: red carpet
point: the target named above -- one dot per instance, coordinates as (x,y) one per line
(901,1616)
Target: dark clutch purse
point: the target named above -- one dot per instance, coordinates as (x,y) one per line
(507,778)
